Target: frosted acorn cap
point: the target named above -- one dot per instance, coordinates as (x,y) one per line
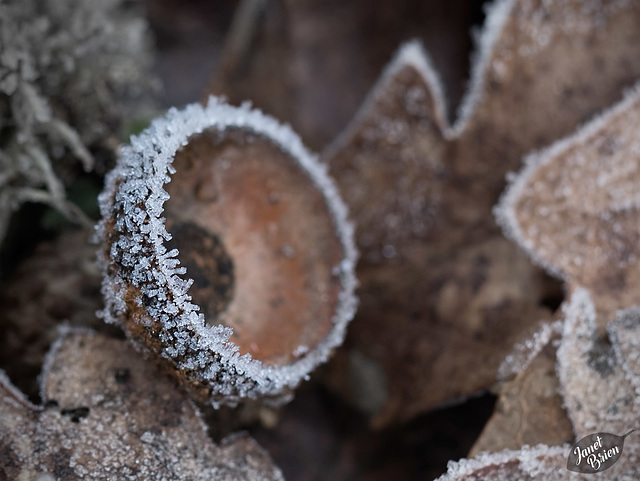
(226,252)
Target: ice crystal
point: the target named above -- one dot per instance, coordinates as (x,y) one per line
(132,206)
(65,68)
(109,414)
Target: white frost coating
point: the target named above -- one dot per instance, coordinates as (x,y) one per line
(139,247)
(123,433)
(532,461)
(413,53)
(64,330)
(579,327)
(496,17)
(45,477)
(525,352)
(505,212)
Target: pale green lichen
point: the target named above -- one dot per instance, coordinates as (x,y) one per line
(67,68)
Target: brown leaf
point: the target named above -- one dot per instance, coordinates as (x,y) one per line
(527,464)
(597,387)
(59,282)
(529,409)
(310,62)
(265,247)
(597,391)
(599,396)
(108,414)
(574,208)
(443,294)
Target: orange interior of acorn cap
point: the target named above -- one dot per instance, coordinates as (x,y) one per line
(256,236)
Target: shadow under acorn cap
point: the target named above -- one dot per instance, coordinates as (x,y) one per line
(248,284)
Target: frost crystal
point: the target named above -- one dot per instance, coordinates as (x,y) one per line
(526,464)
(136,262)
(65,67)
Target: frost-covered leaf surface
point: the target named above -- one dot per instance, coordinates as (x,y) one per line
(574,207)
(58,283)
(597,374)
(444,296)
(598,392)
(66,68)
(290,252)
(597,378)
(108,414)
(529,410)
(626,341)
(526,464)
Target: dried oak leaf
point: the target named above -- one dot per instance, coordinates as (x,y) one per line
(108,414)
(310,62)
(262,237)
(597,384)
(599,378)
(444,296)
(58,283)
(529,409)
(574,208)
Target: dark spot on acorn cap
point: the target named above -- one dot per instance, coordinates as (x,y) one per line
(207,263)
